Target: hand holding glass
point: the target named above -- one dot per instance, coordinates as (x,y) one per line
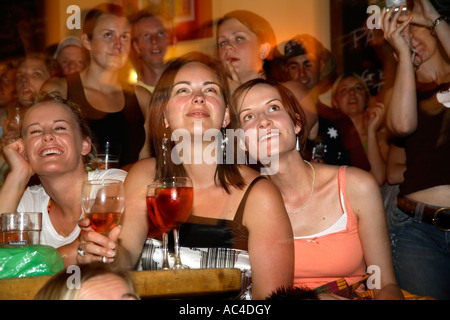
(103,202)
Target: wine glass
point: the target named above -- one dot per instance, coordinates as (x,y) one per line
(103,202)
(173,198)
(157,226)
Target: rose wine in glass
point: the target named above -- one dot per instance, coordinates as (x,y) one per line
(103,202)
(174,197)
(157,226)
(104,222)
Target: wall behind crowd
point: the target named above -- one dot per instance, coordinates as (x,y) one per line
(34,25)
(287,17)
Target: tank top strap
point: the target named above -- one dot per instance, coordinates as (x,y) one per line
(343,199)
(75,90)
(75,93)
(132,108)
(240,211)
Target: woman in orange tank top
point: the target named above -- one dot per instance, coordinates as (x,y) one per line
(336,213)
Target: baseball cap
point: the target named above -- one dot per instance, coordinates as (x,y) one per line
(293,48)
(69,41)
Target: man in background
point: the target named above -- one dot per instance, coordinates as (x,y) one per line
(150,42)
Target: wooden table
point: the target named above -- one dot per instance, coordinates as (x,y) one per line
(148,284)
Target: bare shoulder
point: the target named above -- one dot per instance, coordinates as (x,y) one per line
(144,165)
(262,184)
(296,87)
(363,193)
(264,194)
(360,181)
(266,188)
(142,171)
(55,84)
(142,93)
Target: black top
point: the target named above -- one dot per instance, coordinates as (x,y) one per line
(428,148)
(123,129)
(339,138)
(201,232)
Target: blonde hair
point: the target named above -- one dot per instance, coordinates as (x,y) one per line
(57,288)
(84,129)
(360,80)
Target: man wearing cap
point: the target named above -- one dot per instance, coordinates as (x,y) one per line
(71,55)
(309,62)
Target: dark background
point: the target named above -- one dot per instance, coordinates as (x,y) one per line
(22,27)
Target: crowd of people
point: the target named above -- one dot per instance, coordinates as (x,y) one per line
(323,216)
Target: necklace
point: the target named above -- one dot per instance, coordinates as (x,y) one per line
(312,190)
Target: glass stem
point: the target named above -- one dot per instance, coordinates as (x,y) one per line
(165,265)
(176,237)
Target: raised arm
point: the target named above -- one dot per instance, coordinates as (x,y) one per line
(270,244)
(400,101)
(374,154)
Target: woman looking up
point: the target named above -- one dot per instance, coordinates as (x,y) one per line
(336,213)
(229,199)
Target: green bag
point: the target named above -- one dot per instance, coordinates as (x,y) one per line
(29,260)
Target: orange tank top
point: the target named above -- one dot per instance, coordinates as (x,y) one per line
(322,259)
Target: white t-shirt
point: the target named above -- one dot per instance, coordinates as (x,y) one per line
(35,199)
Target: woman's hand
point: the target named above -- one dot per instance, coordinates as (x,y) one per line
(234,79)
(95,246)
(233,73)
(18,177)
(16,157)
(394,32)
(376,116)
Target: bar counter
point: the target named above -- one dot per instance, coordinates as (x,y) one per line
(160,284)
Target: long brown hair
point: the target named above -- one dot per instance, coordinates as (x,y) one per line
(226,174)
